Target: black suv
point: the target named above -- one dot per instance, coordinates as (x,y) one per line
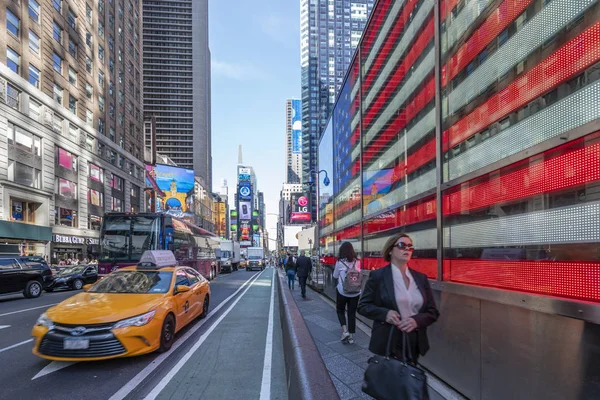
(24,274)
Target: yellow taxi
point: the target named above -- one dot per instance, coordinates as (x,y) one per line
(132,311)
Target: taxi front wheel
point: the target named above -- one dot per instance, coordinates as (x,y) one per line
(167,334)
(205,305)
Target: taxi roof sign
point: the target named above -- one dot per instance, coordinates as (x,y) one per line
(157,259)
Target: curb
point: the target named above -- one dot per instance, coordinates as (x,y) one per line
(307,376)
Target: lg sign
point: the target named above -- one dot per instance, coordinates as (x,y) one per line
(303,202)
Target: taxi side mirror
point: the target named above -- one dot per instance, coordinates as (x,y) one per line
(87,287)
(182,288)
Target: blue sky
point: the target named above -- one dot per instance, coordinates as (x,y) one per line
(255,49)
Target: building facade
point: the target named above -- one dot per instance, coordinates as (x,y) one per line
(177,81)
(475,128)
(71,122)
(293,140)
(329,33)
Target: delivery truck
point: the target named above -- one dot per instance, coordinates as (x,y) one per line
(256,258)
(229,260)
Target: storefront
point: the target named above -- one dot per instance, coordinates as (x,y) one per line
(69,247)
(23,239)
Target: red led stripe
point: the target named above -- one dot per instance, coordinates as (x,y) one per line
(403,216)
(345,207)
(571,59)
(395,80)
(427,266)
(380,13)
(489,30)
(351,232)
(577,280)
(571,169)
(390,41)
(446,7)
(426,95)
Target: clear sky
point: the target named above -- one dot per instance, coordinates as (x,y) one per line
(255,49)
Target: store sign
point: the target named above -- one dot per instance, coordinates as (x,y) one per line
(75,240)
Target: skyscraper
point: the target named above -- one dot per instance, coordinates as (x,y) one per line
(177,81)
(293,143)
(329,33)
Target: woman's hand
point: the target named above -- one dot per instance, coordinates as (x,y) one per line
(407,325)
(393,318)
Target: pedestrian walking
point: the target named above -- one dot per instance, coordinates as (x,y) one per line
(349,278)
(400,302)
(303,270)
(290,270)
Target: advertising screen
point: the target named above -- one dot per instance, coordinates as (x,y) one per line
(245,230)
(296,126)
(300,208)
(244,174)
(245,211)
(245,191)
(290,235)
(174,187)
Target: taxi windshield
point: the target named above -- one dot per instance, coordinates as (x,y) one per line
(151,282)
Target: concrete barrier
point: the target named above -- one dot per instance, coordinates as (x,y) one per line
(306,373)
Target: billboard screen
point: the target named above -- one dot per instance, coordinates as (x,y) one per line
(245,211)
(244,174)
(300,208)
(245,230)
(245,191)
(290,235)
(296,126)
(174,187)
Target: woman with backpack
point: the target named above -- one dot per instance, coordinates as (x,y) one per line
(290,270)
(347,272)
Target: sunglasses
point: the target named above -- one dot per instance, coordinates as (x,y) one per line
(404,246)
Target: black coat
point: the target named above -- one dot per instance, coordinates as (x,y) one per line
(378,298)
(303,267)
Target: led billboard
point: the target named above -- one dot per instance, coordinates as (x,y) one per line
(245,211)
(173,187)
(245,191)
(244,174)
(300,208)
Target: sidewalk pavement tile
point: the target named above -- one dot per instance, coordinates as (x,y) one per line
(343,390)
(344,369)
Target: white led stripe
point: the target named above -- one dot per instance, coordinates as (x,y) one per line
(348,219)
(394,151)
(460,24)
(550,20)
(356,152)
(415,187)
(345,194)
(391,111)
(402,47)
(422,240)
(327,230)
(355,120)
(573,111)
(383,34)
(572,224)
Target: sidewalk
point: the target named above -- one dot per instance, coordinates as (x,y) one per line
(346,363)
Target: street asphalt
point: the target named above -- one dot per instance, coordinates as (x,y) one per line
(235,353)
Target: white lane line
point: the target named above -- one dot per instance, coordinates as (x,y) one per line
(27,309)
(265,387)
(16,345)
(53,367)
(150,368)
(171,374)
(4,326)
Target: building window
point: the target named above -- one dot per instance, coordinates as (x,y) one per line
(88,39)
(57,4)
(65,217)
(100,53)
(66,159)
(72,77)
(89,91)
(72,48)
(23,211)
(34,10)
(13,25)
(34,42)
(94,222)
(135,191)
(89,143)
(35,109)
(96,173)
(13,60)
(111,134)
(72,19)
(95,198)
(66,188)
(73,104)
(57,32)
(57,124)
(117,205)
(101,125)
(73,132)
(58,93)
(24,174)
(88,13)
(117,183)
(89,117)
(100,29)
(12,96)
(57,63)
(101,103)
(34,76)
(101,78)
(88,64)
(24,140)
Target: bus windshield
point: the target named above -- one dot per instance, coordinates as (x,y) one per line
(126,237)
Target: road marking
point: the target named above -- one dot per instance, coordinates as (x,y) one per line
(143,374)
(53,367)
(265,388)
(171,374)
(27,309)
(4,326)
(15,345)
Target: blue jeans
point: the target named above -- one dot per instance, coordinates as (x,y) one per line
(291,276)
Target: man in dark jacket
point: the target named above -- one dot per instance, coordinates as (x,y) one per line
(303,270)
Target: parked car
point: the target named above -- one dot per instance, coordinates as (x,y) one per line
(73,277)
(29,275)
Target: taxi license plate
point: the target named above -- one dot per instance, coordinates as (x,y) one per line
(76,344)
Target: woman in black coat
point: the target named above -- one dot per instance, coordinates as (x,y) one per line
(398,297)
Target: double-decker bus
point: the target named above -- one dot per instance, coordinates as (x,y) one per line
(124,237)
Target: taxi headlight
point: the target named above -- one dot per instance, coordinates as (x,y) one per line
(43,320)
(140,320)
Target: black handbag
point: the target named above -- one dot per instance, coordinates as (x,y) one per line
(387,378)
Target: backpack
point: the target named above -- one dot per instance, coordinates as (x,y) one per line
(352,283)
